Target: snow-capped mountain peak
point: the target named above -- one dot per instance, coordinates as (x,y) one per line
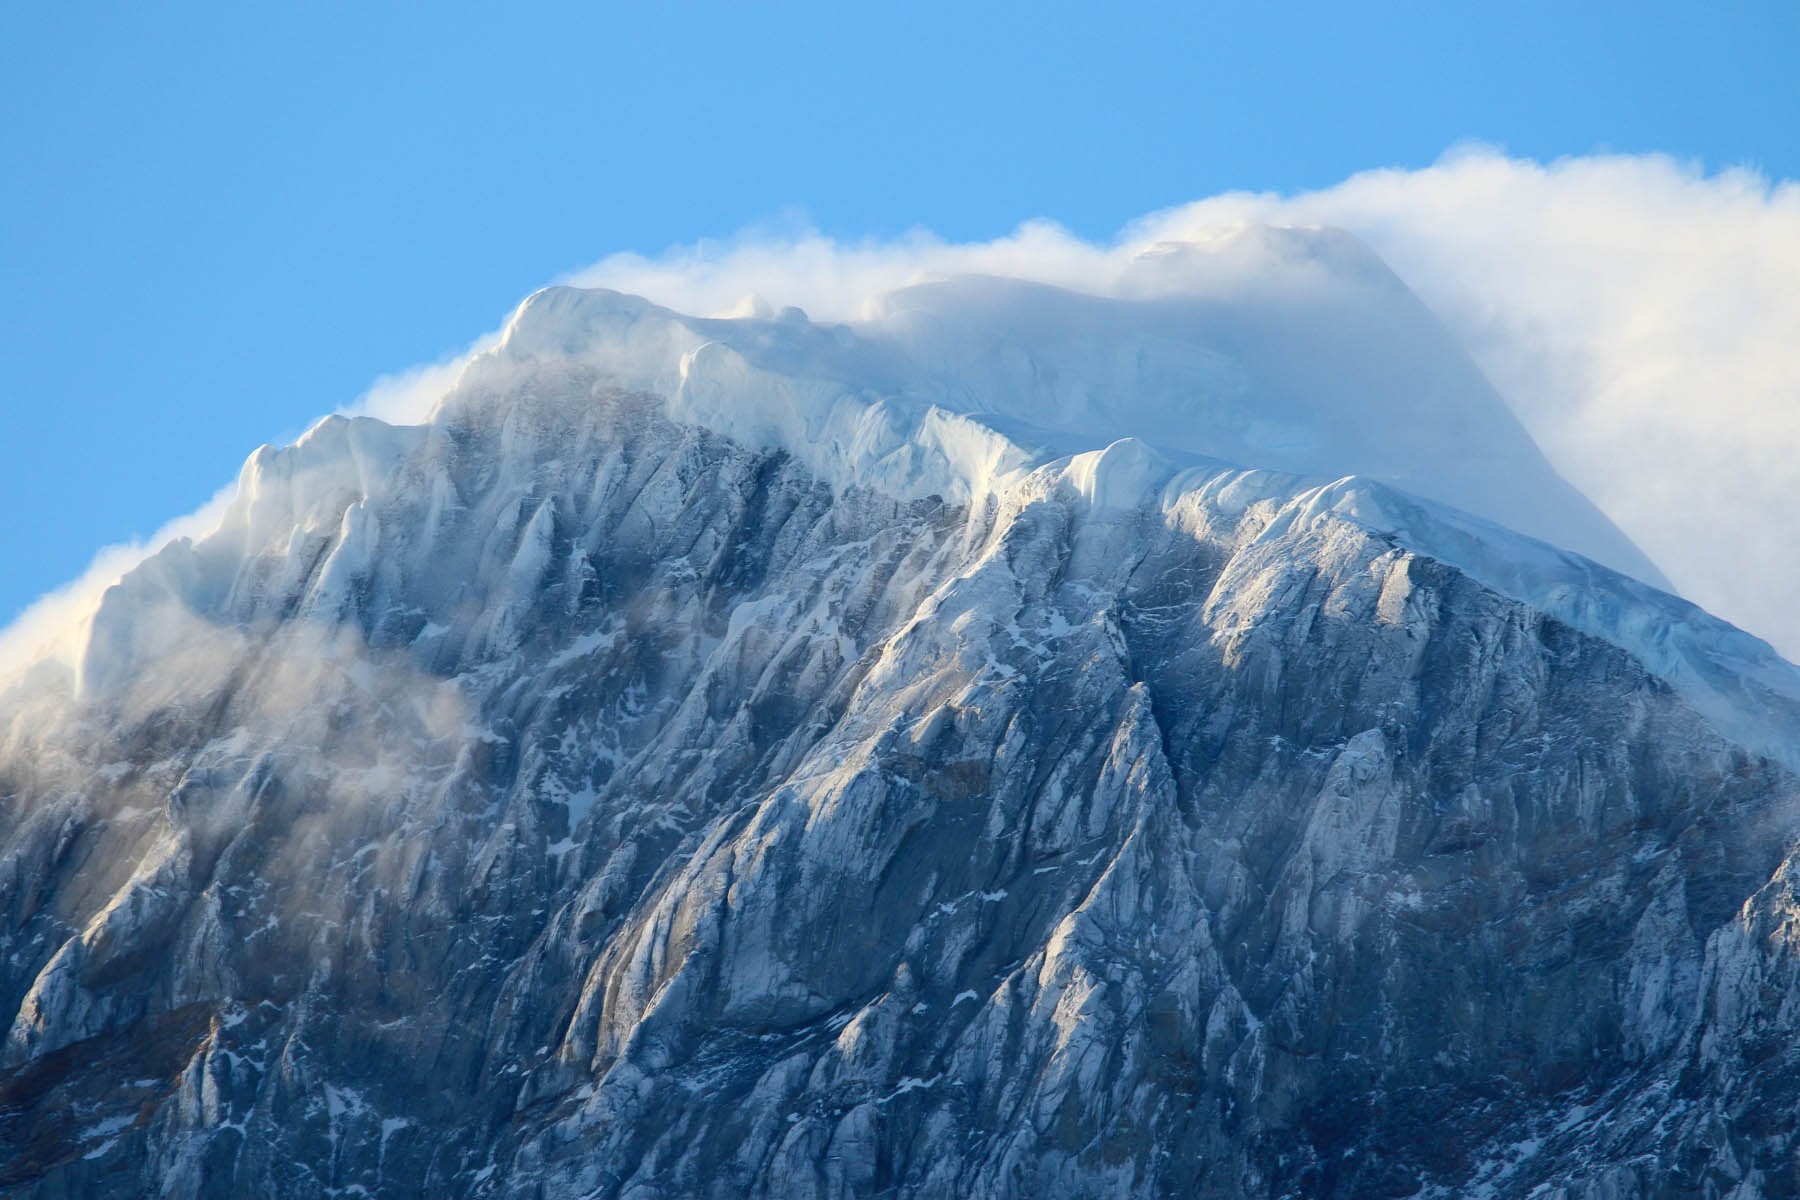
(1017,744)
(1293,350)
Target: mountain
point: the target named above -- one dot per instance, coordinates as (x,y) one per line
(1020,744)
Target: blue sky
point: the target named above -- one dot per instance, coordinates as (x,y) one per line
(221,221)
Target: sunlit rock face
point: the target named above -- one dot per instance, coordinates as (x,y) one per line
(578,795)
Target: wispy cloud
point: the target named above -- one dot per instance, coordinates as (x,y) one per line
(407,397)
(53,629)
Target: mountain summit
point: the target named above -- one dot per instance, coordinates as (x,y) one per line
(1287,349)
(1018,744)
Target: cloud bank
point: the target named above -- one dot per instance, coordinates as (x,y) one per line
(1641,316)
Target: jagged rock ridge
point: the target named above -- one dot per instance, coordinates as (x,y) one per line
(564,798)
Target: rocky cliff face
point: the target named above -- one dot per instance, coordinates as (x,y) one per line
(564,799)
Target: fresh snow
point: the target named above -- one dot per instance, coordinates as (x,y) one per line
(1323,371)
(1293,350)
(1317,368)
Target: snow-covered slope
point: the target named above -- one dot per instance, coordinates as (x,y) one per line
(1296,351)
(1020,745)
(1292,350)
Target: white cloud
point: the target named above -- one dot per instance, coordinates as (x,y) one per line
(54,627)
(834,280)
(407,397)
